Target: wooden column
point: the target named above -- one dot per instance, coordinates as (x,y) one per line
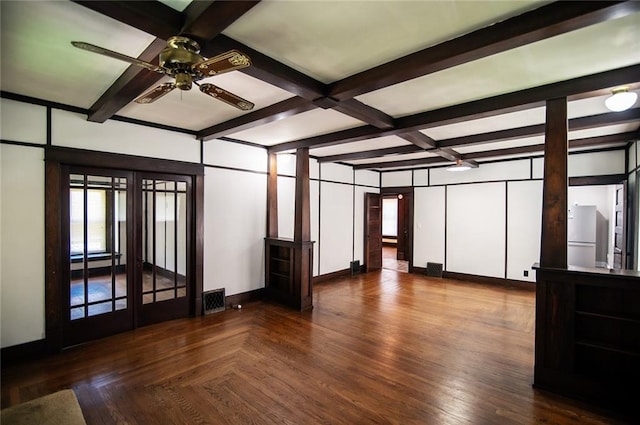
(289,263)
(302,226)
(553,248)
(272,197)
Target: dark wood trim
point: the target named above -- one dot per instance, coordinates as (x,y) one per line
(53,257)
(553,246)
(333,275)
(284,109)
(539,24)
(598,180)
(339,137)
(20,353)
(198,240)
(89,158)
(243,142)
(272,196)
(495,281)
(232,301)
(24,144)
(375,153)
(402,163)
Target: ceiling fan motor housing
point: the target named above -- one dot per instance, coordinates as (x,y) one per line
(178,58)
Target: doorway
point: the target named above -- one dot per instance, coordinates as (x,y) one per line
(122,245)
(388,240)
(393,255)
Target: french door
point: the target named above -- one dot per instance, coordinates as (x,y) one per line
(127,251)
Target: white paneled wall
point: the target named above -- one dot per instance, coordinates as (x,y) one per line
(336,226)
(524,221)
(22,247)
(14,115)
(397,179)
(235,155)
(234,226)
(74,131)
(476,229)
(286,206)
(429,225)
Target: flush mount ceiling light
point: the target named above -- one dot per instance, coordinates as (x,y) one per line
(621,99)
(461,165)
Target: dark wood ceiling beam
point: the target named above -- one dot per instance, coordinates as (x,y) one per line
(419,139)
(539,24)
(275,112)
(128,86)
(515,101)
(520,150)
(163,22)
(358,110)
(402,163)
(152,17)
(206,20)
(582,123)
(344,136)
(268,70)
(492,106)
(375,153)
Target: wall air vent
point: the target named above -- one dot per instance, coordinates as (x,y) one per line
(434,270)
(355,267)
(213,301)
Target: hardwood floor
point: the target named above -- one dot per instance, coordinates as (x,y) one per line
(390,261)
(383,347)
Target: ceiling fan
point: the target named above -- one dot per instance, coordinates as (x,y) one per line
(182,61)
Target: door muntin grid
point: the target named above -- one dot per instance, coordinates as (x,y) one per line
(164,236)
(97,245)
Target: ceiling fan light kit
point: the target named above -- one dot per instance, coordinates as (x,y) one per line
(181,60)
(621,99)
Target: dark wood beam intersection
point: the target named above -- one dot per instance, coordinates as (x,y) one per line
(202,20)
(492,106)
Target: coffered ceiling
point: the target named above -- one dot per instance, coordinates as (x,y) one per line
(376,84)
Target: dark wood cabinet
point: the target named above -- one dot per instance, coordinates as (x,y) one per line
(588,334)
(288,272)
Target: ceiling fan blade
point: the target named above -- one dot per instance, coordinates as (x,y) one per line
(110,53)
(228,61)
(156,93)
(226,97)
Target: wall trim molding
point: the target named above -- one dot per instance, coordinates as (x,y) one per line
(244,297)
(329,276)
(27,351)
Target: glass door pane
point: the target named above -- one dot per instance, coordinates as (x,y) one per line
(164,236)
(97,245)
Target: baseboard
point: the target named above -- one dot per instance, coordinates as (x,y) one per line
(244,297)
(23,352)
(509,283)
(333,275)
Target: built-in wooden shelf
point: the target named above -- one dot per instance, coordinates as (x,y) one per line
(288,272)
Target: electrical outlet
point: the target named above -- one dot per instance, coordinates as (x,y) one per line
(526,273)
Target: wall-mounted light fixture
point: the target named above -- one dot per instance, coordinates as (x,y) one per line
(621,99)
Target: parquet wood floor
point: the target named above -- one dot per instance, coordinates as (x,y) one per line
(378,348)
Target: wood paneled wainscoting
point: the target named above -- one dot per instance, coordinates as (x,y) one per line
(382,347)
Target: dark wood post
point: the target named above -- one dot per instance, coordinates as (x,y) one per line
(302,226)
(272,196)
(553,248)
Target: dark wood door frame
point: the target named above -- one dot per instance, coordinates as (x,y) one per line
(372,244)
(56,159)
(407,198)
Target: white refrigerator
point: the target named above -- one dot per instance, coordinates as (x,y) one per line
(581,235)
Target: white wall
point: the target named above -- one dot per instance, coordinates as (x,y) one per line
(22,247)
(429,225)
(235,207)
(14,114)
(524,224)
(476,229)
